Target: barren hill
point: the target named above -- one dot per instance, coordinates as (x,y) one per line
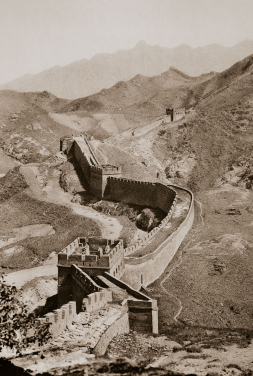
(126,93)
(31,123)
(27,132)
(140,99)
(86,77)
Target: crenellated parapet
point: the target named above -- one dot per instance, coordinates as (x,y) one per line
(179,110)
(132,249)
(96,300)
(92,253)
(132,181)
(106,169)
(60,318)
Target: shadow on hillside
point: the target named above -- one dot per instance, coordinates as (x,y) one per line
(49,306)
(79,173)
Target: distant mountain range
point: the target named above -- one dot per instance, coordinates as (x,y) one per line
(86,77)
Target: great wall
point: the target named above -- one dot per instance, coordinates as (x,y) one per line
(94,273)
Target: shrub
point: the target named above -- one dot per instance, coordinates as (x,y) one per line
(193,349)
(16,322)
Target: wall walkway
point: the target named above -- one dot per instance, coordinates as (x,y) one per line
(145,270)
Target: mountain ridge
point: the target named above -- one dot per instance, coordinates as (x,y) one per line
(85,77)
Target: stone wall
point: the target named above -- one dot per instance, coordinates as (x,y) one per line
(119,325)
(98,178)
(146,269)
(142,311)
(154,195)
(97,300)
(82,159)
(137,132)
(74,284)
(59,318)
(139,244)
(178,113)
(143,316)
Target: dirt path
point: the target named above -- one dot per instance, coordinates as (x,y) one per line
(52,192)
(21,277)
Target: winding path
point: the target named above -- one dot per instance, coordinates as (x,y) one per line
(53,193)
(109,226)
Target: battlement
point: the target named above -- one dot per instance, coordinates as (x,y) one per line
(59,318)
(131,181)
(132,249)
(106,169)
(84,278)
(179,110)
(97,300)
(94,252)
(175,113)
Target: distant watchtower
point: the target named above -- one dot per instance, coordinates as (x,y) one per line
(169,112)
(175,113)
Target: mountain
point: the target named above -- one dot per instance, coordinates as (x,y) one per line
(137,90)
(86,77)
(36,120)
(131,103)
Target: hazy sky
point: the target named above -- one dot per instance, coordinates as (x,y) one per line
(38,34)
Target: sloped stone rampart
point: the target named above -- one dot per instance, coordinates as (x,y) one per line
(84,155)
(119,325)
(146,269)
(140,131)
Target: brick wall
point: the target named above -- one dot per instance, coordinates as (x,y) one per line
(164,197)
(98,178)
(140,131)
(130,250)
(74,284)
(178,113)
(143,311)
(82,160)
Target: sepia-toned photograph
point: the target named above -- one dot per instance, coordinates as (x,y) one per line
(126,187)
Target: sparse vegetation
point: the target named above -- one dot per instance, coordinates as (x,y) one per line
(22,210)
(16,321)
(12,183)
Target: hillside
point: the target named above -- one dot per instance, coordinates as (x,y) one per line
(27,132)
(135,102)
(86,77)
